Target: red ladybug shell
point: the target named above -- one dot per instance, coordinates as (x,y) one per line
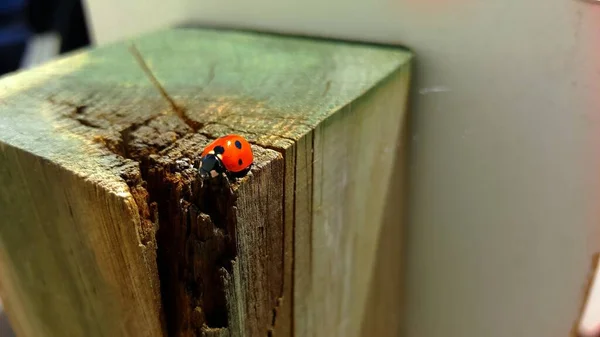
(236,153)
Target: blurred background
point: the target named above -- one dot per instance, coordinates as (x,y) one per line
(505,131)
(35,31)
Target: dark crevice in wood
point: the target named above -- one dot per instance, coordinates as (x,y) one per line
(192,223)
(311,202)
(147,209)
(128,131)
(196,241)
(275,310)
(77,108)
(293,151)
(87,122)
(196,236)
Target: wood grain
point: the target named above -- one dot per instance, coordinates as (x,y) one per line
(350,186)
(108,232)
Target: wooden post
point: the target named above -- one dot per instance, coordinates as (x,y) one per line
(107,231)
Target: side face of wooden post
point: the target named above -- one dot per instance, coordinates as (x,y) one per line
(344,188)
(71,257)
(107,230)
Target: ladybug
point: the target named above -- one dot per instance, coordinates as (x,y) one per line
(231,154)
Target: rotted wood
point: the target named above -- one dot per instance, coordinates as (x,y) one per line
(106,229)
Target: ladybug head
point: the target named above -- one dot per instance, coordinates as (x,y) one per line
(210,166)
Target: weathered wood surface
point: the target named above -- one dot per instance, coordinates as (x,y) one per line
(106,231)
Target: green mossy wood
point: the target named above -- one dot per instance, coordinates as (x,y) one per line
(106,230)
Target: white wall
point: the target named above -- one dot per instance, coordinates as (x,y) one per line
(506,176)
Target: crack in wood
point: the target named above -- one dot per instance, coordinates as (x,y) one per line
(126,133)
(211,75)
(327,87)
(88,123)
(179,111)
(190,255)
(78,109)
(271,329)
(196,240)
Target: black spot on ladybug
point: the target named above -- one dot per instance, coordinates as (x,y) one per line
(219,149)
(238,144)
(240,162)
